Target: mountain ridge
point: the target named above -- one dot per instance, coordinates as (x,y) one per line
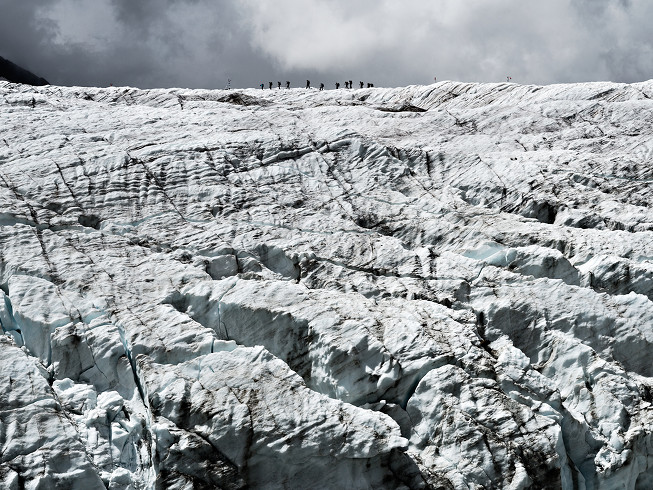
(14,73)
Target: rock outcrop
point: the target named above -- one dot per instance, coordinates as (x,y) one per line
(11,72)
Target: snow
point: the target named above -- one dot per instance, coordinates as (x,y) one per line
(444,286)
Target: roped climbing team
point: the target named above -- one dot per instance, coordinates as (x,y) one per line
(348,84)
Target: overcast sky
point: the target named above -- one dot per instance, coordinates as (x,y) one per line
(202,43)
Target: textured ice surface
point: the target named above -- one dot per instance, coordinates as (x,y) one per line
(425,287)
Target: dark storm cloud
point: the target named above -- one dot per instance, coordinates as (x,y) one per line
(196,43)
(201,43)
(21,35)
(31,40)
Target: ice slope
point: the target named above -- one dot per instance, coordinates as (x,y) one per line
(447,286)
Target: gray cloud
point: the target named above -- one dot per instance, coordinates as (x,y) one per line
(198,43)
(21,35)
(201,43)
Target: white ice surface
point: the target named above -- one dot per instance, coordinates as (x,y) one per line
(445,286)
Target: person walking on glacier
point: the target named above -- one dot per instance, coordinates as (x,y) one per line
(337,85)
(321,86)
(361,84)
(287,84)
(270,85)
(279,85)
(308,84)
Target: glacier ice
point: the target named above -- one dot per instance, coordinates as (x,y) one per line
(445,286)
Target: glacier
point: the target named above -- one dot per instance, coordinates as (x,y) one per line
(445,287)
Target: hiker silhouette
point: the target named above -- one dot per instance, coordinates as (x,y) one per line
(287,84)
(321,86)
(308,84)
